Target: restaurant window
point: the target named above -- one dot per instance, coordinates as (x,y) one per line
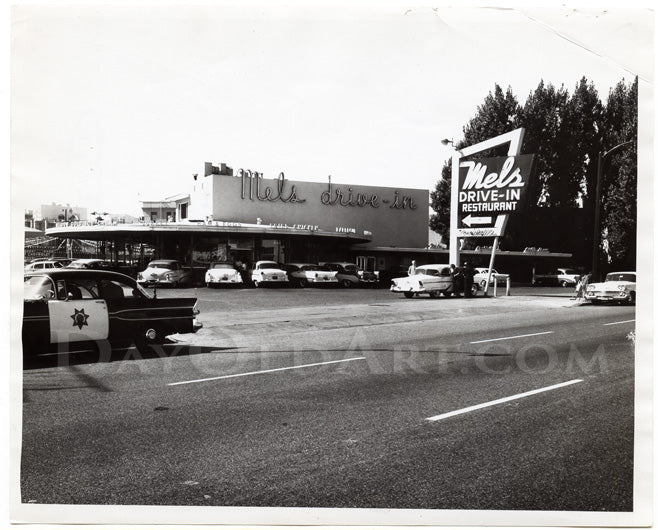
(183,210)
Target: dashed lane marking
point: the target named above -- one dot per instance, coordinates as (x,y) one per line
(620,322)
(514,337)
(266,371)
(502,400)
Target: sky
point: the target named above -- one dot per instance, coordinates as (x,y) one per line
(112,105)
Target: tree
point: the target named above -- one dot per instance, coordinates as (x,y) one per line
(440,203)
(619,182)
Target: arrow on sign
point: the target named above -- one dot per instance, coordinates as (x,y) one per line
(468,220)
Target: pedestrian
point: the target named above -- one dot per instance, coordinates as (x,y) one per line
(457,279)
(412,268)
(469,274)
(583,286)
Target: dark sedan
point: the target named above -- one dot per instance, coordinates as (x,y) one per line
(68,309)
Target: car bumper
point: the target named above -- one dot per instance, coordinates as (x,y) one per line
(196,325)
(156,282)
(221,280)
(608,297)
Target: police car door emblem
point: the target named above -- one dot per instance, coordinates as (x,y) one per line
(80,318)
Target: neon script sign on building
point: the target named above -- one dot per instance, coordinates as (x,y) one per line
(253,181)
(253,188)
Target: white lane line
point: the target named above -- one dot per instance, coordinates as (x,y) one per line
(514,337)
(502,400)
(620,322)
(266,371)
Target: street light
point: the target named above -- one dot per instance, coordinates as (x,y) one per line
(597,207)
(445,141)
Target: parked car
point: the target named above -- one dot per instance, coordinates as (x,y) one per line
(165,272)
(617,287)
(349,275)
(427,279)
(481,273)
(78,308)
(222,273)
(305,274)
(567,277)
(91,263)
(43,264)
(268,273)
(386,276)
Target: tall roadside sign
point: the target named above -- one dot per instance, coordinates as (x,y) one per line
(489,189)
(484,191)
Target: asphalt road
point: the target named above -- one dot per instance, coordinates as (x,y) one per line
(519,403)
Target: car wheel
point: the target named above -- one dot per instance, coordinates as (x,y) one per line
(434,294)
(631,298)
(146,339)
(474,289)
(256,283)
(595,302)
(348,283)
(407,294)
(303,283)
(565,283)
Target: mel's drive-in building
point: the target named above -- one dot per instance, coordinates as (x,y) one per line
(243,216)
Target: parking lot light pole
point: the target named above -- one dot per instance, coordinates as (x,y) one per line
(597,208)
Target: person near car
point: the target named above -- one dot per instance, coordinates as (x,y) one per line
(457,279)
(581,286)
(412,268)
(469,274)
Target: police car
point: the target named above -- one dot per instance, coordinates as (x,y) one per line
(69,309)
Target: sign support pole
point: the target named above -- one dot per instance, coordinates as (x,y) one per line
(491,264)
(454,193)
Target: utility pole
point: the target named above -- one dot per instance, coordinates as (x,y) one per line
(597,208)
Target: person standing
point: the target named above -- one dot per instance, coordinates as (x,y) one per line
(469,274)
(412,268)
(457,279)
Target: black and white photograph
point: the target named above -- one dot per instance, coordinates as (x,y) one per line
(312,264)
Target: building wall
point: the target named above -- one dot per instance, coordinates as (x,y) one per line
(393,216)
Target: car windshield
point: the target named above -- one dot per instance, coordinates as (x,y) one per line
(38,287)
(570,271)
(221,266)
(269,265)
(620,277)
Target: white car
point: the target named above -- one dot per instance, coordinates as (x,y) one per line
(567,277)
(480,277)
(428,279)
(222,273)
(41,265)
(305,274)
(268,272)
(168,272)
(617,287)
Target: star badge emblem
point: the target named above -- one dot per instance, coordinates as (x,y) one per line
(80,318)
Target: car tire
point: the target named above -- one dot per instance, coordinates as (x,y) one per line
(564,283)
(303,283)
(407,294)
(434,294)
(596,302)
(257,283)
(348,283)
(631,298)
(474,289)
